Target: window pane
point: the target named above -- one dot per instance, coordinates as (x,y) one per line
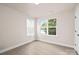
(43,27)
(51,22)
(52,27)
(30,27)
(52,31)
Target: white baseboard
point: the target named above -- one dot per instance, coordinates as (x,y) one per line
(60,44)
(15,46)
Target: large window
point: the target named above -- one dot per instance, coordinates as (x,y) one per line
(48,27)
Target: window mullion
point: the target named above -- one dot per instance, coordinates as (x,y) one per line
(47,27)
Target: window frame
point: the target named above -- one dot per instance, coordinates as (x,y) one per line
(48,28)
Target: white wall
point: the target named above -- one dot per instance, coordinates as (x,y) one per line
(65,29)
(12,28)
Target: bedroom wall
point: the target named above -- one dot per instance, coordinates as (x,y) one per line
(12,29)
(64,29)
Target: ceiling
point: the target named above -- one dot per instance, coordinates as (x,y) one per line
(41,9)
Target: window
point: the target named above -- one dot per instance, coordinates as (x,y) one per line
(48,27)
(52,27)
(44,26)
(30,27)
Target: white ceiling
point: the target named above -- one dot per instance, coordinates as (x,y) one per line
(41,9)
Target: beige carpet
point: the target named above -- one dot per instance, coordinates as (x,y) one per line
(40,48)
